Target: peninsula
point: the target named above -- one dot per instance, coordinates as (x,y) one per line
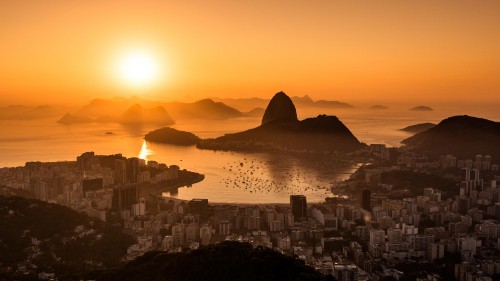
(281,130)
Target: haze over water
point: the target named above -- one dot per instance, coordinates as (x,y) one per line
(229,176)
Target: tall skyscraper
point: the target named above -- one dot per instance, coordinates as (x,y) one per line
(199,207)
(298,203)
(463,204)
(366,197)
(92,184)
(120,171)
(133,166)
(475,174)
(465,174)
(124,197)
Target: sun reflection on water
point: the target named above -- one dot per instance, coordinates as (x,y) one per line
(145,151)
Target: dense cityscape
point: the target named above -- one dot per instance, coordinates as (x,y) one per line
(249,140)
(371,232)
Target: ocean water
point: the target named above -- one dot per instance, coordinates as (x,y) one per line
(229,176)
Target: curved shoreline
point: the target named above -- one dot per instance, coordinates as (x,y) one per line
(186,178)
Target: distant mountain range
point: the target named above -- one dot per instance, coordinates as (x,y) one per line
(22,112)
(135,115)
(139,111)
(112,110)
(281,129)
(463,136)
(247,104)
(202,109)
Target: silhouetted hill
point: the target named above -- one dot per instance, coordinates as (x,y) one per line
(227,261)
(172,136)
(112,109)
(421,108)
(101,107)
(417,128)
(332,104)
(378,106)
(305,100)
(203,109)
(280,109)
(256,112)
(69,119)
(280,130)
(463,136)
(140,115)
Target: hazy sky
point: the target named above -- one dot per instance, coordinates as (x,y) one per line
(343,50)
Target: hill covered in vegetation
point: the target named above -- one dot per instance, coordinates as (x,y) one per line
(462,136)
(37,236)
(172,136)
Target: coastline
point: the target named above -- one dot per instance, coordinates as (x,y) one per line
(335,186)
(186,178)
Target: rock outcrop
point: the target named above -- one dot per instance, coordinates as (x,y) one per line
(280,109)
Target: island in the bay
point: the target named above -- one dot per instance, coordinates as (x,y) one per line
(172,136)
(422,108)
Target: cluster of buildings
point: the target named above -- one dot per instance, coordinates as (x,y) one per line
(462,223)
(309,232)
(94,184)
(410,159)
(362,237)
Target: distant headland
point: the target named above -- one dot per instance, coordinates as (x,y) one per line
(417,128)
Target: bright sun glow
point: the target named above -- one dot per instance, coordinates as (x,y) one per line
(138,68)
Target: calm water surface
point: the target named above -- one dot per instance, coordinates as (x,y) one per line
(229,176)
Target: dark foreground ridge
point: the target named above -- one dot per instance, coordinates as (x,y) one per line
(281,130)
(464,136)
(55,238)
(225,261)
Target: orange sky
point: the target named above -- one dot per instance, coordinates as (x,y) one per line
(343,50)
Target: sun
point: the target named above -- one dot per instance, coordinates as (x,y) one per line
(138,68)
